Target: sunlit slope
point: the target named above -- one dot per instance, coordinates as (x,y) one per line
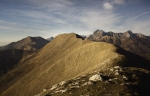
(64,58)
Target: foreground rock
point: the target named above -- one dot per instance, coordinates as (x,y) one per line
(105,83)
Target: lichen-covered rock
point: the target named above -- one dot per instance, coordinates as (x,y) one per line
(124,77)
(96,77)
(87,83)
(54,87)
(44,90)
(116,67)
(63,83)
(61,91)
(116,73)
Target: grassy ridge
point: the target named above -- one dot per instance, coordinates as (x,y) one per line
(64,58)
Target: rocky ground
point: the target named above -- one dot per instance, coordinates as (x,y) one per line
(116,81)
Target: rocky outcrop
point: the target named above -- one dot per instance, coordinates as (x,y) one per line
(114,81)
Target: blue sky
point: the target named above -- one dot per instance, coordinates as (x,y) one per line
(46,18)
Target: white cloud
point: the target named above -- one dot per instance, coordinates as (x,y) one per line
(72,19)
(3,22)
(141,26)
(137,26)
(108,6)
(51,4)
(52,17)
(5,25)
(34,14)
(100,19)
(41,17)
(111,4)
(118,1)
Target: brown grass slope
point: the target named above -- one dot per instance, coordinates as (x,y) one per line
(66,57)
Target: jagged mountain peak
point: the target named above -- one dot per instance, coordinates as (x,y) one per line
(129,31)
(99,31)
(133,42)
(128,34)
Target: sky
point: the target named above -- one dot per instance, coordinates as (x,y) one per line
(46,18)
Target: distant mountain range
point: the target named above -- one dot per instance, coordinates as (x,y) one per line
(28,43)
(127,34)
(133,42)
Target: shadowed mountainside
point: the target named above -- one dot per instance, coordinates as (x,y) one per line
(67,56)
(28,43)
(133,42)
(9,58)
